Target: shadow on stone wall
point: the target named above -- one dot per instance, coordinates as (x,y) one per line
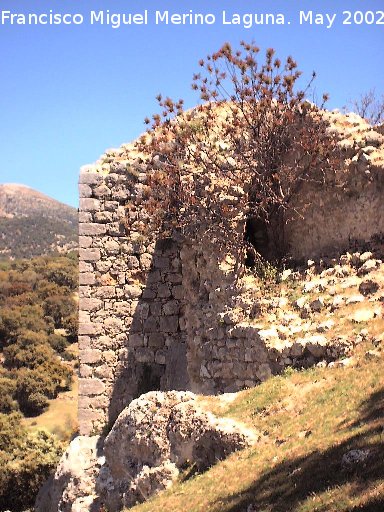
(153,356)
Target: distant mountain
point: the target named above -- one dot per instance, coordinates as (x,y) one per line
(32,224)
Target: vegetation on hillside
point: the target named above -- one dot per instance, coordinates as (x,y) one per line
(27,237)
(370,106)
(38,320)
(32,224)
(26,459)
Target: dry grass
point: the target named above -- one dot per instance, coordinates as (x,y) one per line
(61,416)
(307,421)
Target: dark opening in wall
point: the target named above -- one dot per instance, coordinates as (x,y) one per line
(149,377)
(256,234)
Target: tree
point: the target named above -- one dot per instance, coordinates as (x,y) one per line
(26,461)
(242,154)
(7,393)
(59,307)
(370,107)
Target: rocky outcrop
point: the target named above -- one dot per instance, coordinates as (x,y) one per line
(72,487)
(153,439)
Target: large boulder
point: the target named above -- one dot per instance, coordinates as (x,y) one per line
(72,487)
(155,437)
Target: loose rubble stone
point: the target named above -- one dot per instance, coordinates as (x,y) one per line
(354,458)
(72,487)
(368,287)
(354,299)
(317,305)
(367,267)
(363,314)
(373,354)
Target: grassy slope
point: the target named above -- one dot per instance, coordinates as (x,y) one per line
(307,421)
(60,418)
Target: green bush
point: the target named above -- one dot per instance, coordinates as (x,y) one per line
(7,395)
(30,385)
(35,296)
(26,461)
(37,402)
(59,307)
(46,380)
(58,343)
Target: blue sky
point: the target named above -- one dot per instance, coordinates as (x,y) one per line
(69,92)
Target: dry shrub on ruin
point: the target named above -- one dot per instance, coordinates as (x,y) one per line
(370,106)
(243,153)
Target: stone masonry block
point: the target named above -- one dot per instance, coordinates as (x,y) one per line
(144,355)
(136,340)
(178,292)
(112,247)
(102,191)
(160,357)
(155,308)
(145,261)
(132,291)
(104,372)
(105,292)
(84,317)
(85,241)
(92,229)
(91,387)
(89,328)
(85,371)
(163,291)
(89,204)
(113,325)
(90,421)
(87,304)
(84,342)
(116,229)
(90,356)
(103,217)
(85,217)
(151,324)
(87,278)
(169,323)
(171,308)
(89,254)
(89,178)
(94,402)
(156,339)
(84,190)
(85,266)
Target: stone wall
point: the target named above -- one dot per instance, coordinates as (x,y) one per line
(350,205)
(161,314)
(130,336)
(154,314)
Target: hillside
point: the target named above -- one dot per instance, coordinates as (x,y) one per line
(32,224)
(319,448)
(38,390)
(319,430)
